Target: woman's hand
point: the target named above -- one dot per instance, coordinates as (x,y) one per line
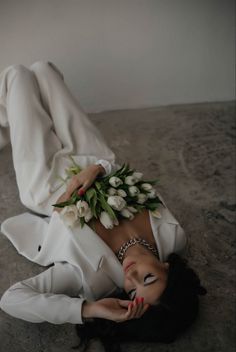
(115,309)
(84,179)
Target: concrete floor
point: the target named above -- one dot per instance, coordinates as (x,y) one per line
(191,148)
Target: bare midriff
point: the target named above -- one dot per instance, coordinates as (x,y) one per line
(139,226)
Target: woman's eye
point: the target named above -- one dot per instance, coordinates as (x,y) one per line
(148,278)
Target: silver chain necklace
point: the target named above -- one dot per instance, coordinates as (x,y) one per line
(132,242)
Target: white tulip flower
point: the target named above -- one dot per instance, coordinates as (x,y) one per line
(115,221)
(141,198)
(106,220)
(152,194)
(88,216)
(133,191)
(121,193)
(130,180)
(115,181)
(69,215)
(137,175)
(156,213)
(111,191)
(132,209)
(82,207)
(116,202)
(127,214)
(146,186)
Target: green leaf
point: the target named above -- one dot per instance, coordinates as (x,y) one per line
(93,210)
(82,221)
(90,193)
(98,185)
(74,197)
(67,202)
(152,206)
(94,200)
(106,206)
(105,179)
(74,163)
(124,169)
(62,204)
(152,182)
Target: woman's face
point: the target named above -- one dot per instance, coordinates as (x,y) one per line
(144,276)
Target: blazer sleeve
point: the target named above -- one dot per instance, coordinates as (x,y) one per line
(52,296)
(109,166)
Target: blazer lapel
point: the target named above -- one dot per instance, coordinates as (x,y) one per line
(85,247)
(99,254)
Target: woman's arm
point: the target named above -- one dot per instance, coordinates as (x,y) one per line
(54,296)
(114,309)
(51,296)
(84,180)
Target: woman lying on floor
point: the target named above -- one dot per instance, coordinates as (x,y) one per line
(123,283)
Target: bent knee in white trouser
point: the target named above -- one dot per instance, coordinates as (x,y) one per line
(4,79)
(43,67)
(16,67)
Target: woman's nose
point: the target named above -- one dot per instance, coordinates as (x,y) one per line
(132,275)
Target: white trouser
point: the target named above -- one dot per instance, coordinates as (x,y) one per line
(45,123)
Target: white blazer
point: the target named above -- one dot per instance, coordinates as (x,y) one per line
(85,268)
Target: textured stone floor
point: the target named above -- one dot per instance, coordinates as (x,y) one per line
(191,148)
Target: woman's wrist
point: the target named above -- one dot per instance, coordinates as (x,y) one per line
(87,310)
(101,170)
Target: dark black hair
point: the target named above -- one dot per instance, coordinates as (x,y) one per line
(175,312)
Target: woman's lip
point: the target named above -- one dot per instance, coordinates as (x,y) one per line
(128,266)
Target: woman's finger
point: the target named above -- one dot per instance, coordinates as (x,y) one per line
(81,191)
(83,188)
(129,311)
(124,303)
(74,183)
(134,308)
(139,306)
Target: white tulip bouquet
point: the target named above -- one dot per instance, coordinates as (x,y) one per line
(118,195)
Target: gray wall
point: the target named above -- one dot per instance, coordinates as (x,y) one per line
(119,54)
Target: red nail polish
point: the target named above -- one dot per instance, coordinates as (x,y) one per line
(81,192)
(142,299)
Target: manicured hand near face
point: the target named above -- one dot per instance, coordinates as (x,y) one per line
(115,309)
(137,308)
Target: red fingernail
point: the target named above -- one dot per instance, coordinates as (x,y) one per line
(142,299)
(136,300)
(131,305)
(81,192)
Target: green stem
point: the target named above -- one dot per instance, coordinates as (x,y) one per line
(74,163)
